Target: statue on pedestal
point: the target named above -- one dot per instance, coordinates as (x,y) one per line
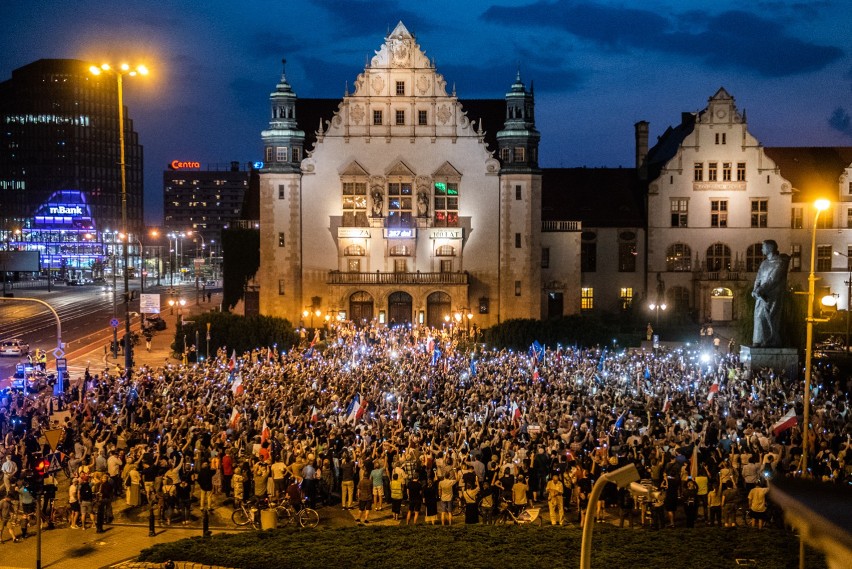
(768,293)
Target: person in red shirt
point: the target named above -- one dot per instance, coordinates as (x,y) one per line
(227,472)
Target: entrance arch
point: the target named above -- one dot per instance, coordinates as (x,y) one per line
(361,307)
(399,308)
(438,305)
(721,304)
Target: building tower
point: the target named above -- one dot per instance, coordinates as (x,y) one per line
(520,207)
(281,204)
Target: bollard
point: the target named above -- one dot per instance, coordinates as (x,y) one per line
(151,531)
(205,525)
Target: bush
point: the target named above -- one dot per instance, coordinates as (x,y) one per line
(240,333)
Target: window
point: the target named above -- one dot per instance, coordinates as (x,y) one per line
(726,171)
(354,204)
(849,217)
(680,212)
(517,240)
(518,154)
(517,288)
(545,257)
(823,260)
(698,172)
(446,265)
(518,192)
(400,251)
(741,172)
(400,117)
(849,257)
(759,213)
(445,251)
(484,304)
(270,154)
(297,154)
(721,136)
(588,252)
(711,171)
(400,87)
(718,257)
(353,265)
(399,265)
(281,191)
(280,153)
(587,298)
(795,258)
(281,284)
(796,218)
(506,155)
(679,257)
(754,256)
(399,204)
(850,188)
(718,213)
(377,117)
(422,118)
(627,252)
(446,204)
(825,220)
(354,251)
(626,297)
(281,239)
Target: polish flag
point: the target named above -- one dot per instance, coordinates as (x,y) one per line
(232,363)
(237,386)
(270,355)
(399,411)
(714,389)
(314,414)
(667,404)
(430,345)
(235,418)
(785,422)
(264,432)
(516,412)
(361,410)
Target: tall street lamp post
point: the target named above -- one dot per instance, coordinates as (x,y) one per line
(820,206)
(124,69)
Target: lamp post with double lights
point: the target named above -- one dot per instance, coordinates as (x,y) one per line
(195,260)
(123,69)
(848,295)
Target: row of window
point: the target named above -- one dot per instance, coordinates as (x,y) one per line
(627,252)
(399,116)
(516,154)
(353,265)
(713,171)
(678,298)
(679,208)
(283,154)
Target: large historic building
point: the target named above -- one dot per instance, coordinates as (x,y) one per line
(408,208)
(403,203)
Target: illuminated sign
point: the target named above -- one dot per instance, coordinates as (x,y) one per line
(178,165)
(65,210)
(457,233)
(399,233)
(352,232)
(258,165)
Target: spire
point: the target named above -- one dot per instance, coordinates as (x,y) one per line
(518,139)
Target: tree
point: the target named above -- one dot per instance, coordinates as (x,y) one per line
(240,262)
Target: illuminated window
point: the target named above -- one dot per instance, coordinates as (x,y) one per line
(826,219)
(519,154)
(422,118)
(354,251)
(399,204)
(353,265)
(754,256)
(355,204)
(759,213)
(698,171)
(680,212)
(446,204)
(741,172)
(400,87)
(711,171)
(400,117)
(587,298)
(400,251)
(796,218)
(377,117)
(445,251)
(280,153)
(399,265)
(625,295)
(679,257)
(718,213)
(718,257)
(280,239)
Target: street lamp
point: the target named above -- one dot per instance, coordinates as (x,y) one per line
(848,295)
(124,69)
(155,234)
(820,206)
(656,307)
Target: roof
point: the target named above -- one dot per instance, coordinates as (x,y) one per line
(813,172)
(599,197)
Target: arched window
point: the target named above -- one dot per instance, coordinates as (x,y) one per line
(446,203)
(400,251)
(445,251)
(754,256)
(679,257)
(718,257)
(354,251)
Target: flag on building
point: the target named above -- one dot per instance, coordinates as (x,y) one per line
(787,421)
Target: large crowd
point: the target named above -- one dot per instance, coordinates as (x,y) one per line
(413,419)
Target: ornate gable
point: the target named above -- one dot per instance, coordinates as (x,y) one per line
(446,170)
(400,169)
(721,109)
(354,169)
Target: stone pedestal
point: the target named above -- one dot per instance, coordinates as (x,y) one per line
(786,359)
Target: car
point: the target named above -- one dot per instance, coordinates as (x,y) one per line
(209,283)
(107,288)
(73,282)
(14,347)
(88,281)
(28,376)
(99,280)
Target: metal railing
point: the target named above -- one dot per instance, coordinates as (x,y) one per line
(554,226)
(377,278)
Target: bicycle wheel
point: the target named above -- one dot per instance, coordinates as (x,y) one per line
(537,522)
(285,515)
(308,518)
(240,517)
(502,519)
(458,507)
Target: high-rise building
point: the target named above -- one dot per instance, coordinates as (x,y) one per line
(60,133)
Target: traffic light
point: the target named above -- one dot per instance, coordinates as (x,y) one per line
(41,467)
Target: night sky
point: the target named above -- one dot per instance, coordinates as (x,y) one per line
(598,66)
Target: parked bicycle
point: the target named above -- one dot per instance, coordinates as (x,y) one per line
(509,513)
(247,513)
(305,517)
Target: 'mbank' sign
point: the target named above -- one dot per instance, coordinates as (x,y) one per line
(65,210)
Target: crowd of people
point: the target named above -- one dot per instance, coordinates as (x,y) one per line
(407,416)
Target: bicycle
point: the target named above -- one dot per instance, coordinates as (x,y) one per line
(304,516)
(247,513)
(525,515)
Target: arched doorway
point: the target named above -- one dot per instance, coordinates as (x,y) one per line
(438,305)
(399,308)
(721,304)
(360,307)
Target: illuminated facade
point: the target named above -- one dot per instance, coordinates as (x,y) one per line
(407,204)
(60,130)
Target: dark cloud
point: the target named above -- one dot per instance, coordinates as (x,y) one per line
(272,44)
(841,121)
(360,18)
(251,93)
(492,82)
(732,39)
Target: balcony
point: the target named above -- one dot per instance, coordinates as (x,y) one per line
(377,278)
(561,226)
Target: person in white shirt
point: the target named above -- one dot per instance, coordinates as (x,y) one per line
(9,470)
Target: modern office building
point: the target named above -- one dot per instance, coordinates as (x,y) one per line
(60,132)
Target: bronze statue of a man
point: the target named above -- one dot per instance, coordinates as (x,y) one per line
(768,293)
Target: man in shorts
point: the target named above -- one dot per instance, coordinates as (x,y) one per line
(365,497)
(445,497)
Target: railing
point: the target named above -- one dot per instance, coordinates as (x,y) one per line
(553,226)
(720,275)
(377,278)
(244,224)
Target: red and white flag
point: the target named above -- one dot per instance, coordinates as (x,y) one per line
(714,389)
(237,386)
(232,363)
(430,345)
(785,422)
(235,418)
(314,414)
(264,432)
(667,404)
(516,412)
(399,411)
